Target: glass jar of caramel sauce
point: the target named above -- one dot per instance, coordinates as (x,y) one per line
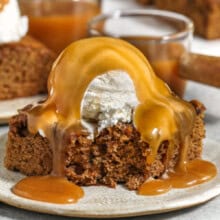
(162,36)
(57,23)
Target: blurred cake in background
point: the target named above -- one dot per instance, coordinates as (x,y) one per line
(145,2)
(24,62)
(205,14)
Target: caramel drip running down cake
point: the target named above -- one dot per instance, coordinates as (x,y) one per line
(108,119)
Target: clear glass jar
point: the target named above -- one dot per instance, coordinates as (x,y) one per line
(57,23)
(162,36)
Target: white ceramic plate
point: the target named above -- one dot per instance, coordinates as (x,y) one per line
(104,202)
(9,108)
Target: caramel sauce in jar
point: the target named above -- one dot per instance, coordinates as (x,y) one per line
(168,71)
(3,3)
(57,23)
(159,116)
(165,60)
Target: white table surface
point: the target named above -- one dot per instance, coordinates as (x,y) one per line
(208,95)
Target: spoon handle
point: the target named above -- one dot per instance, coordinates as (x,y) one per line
(201,68)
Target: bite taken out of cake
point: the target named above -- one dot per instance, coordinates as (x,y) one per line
(108,120)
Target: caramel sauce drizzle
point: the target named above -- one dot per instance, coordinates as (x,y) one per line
(2,4)
(159,117)
(48,189)
(196,172)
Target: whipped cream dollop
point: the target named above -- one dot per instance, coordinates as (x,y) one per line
(13,26)
(110,98)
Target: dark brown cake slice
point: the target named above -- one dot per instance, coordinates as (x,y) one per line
(145,2)
(24,68)
(116,154)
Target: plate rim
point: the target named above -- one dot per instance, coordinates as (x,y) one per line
(5,117)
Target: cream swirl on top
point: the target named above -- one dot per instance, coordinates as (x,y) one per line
(13,26)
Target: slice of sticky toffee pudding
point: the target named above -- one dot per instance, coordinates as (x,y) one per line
(108,119)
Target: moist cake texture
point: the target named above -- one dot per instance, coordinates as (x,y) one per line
(115,155)
(24,68)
